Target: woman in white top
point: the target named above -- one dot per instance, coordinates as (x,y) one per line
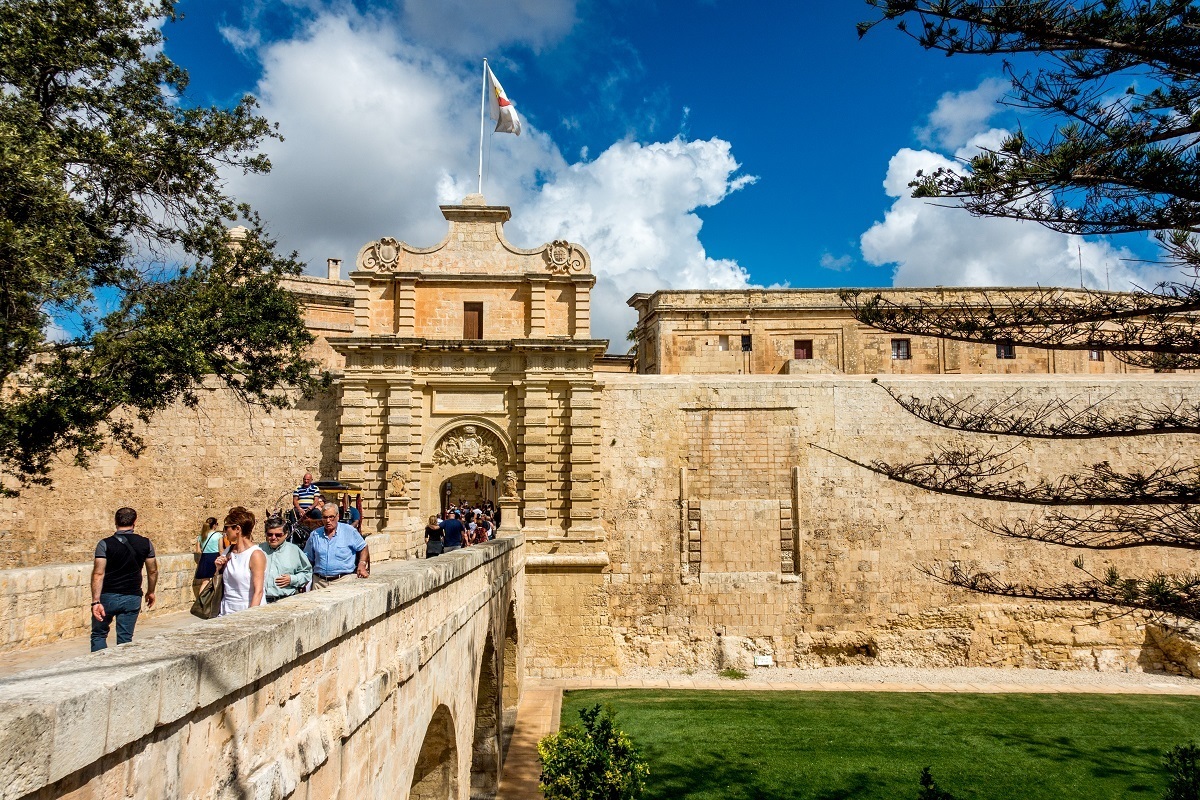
(244,566)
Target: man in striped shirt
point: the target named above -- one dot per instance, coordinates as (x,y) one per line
(305,494)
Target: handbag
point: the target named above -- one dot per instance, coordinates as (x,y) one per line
(208,602)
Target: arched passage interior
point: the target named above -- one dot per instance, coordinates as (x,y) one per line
(436,775)
(485,752)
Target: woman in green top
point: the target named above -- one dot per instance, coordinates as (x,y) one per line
(208,546)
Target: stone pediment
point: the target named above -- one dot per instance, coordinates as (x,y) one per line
(474,245)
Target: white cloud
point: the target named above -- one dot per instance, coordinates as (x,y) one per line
(379,131)
(936,245)
(836,263)
(932,243)
(469,27)
(960,115)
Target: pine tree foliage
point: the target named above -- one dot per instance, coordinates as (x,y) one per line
(120,289)
(1119,82)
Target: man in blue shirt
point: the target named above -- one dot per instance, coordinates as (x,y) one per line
(452,533)
(336,550)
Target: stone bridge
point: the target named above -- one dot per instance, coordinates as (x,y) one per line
(402,685)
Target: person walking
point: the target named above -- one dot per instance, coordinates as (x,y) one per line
(208,546)
(288,569)
(433,538)
(336,550)
(117,580)
(452,533)
(244,565)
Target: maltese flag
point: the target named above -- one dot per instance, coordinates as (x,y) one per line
(500,108)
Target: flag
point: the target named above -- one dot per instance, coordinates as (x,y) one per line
(500,108)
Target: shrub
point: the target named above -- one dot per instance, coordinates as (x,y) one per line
(592,761)
(1183,772)
(929,788)
(733,674)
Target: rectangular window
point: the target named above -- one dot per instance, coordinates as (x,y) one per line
(802,349)
(747,343)
(472,320)
(1006,351)
(723,343)
(901,350)
(1095,355)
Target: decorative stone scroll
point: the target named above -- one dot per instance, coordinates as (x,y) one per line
(380,256)
(468,446)
(398,483)
(563,257)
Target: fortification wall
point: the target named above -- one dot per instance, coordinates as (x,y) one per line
(198,463)
(794,552)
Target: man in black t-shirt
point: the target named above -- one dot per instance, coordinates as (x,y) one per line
(117,580)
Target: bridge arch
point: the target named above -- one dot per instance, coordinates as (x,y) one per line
(485,751)
(436,773)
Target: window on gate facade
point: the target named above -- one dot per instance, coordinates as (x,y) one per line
(901,349)
(747,343)
(802,349)
(472,320)
(723,343)
(1095,355)
(1006,351)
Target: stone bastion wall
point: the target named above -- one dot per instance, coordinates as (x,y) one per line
(730,534)
(402,685)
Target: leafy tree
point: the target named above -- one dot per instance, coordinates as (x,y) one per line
(592,761)
(120,289)
(1120,82)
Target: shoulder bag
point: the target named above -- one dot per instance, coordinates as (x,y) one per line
(208,602)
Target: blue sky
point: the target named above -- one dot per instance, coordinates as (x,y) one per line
(686,144)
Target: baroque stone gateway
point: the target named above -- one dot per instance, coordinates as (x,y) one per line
(684,512)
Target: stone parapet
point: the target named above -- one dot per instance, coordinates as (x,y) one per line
(40,605)
(259,703)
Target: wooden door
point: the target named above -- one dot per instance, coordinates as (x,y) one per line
(472,320)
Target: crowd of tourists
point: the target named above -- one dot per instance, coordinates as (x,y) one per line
(460,526)
(317,544)
(307,547)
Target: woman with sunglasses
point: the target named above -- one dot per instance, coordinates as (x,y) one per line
(243,565)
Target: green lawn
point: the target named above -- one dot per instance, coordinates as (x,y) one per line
(840,745)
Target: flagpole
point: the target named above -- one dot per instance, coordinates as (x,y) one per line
(482,105)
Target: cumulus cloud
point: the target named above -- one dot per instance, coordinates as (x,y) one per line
(379,130)
(836,263)
(931,244)
(958,116)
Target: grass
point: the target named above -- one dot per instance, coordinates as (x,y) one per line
(744,745)
(733,674)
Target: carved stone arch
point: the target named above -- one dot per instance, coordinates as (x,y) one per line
(435,776)
(466,451)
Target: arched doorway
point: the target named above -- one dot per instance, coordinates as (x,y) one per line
(466,464)
(436,775)
(485,752)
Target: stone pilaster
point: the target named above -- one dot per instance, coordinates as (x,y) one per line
(582,454)
(352,436)
(535,450)
(537,305)
(406,305)
(400,467)
(583,306)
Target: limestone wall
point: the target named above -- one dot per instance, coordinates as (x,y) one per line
(198,463)
(394,686)
(729,464)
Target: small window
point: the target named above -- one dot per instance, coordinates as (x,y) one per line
(802,349)
(723,343)
(1006,351)
(472,320)
(1095,355)
(747,343)
(901,350)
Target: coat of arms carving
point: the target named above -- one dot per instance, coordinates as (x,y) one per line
(466,447)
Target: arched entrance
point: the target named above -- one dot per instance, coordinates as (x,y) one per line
(467,463)
(436,775)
